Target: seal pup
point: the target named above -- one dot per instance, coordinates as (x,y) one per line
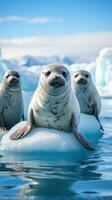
(87,94)
(11,104)
(54,105)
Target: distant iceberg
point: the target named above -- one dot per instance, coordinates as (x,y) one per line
(30,67)
(101,70)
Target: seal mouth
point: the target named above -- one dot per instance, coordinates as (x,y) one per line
(13,82)
(82,81)
(57,82)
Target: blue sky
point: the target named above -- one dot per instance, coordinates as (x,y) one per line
(66,17)
(63,27)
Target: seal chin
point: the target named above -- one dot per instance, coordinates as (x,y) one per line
(54,90)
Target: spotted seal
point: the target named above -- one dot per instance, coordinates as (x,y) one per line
(54,105)
(11,104)
(87,94)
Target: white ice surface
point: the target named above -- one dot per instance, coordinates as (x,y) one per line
(49,142)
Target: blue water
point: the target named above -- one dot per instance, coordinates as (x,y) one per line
(64,180)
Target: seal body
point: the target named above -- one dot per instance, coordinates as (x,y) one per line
(86,93)
(54,111)
(11,104)
(54,105)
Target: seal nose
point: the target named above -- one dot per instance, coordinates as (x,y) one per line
(57,77)
(82,81)
(57,81)
(14,80)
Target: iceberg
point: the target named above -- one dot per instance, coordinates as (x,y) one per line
(30,67)
(101,71)
(104,67)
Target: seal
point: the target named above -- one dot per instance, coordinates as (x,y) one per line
(54,105)
(11,104)
(87,94)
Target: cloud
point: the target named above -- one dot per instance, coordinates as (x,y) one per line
(30,20)
(84,46)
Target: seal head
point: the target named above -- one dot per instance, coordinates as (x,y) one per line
(82,78)
(55,79)
(11,80)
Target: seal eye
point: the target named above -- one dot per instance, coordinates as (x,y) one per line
(64,74)
(17,75)
(86,75)
(76,75)
(47,73)
(7,76)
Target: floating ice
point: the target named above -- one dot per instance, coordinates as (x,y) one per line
(43,142)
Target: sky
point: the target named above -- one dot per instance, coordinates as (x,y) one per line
(44,27)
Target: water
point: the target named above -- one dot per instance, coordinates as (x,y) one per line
(47,179)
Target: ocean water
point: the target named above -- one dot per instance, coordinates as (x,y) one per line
(64,180)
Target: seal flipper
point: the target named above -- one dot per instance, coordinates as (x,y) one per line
(20,133)
(82,140)
(96,114)
(101,127)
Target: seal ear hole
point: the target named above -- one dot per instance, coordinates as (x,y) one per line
(64,74)
(47,73)
(87,75)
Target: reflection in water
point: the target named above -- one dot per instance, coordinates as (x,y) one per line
(51,179)
(59,179)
